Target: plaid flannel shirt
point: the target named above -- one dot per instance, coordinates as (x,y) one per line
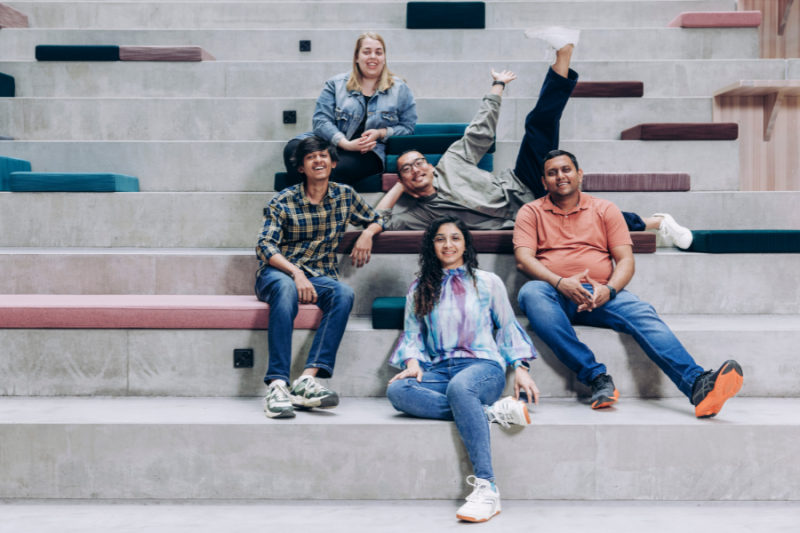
(306,234)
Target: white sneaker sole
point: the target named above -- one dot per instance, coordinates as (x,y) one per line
(301,402)
(468,518)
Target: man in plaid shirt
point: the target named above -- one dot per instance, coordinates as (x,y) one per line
(302,229)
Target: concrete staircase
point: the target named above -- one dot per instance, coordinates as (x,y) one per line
(159,417)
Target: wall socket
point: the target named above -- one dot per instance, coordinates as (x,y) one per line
(243,358)
(290,117)
(305,46)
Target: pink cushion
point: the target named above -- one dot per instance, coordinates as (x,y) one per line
(388,181)
(717,19)
(164,53)
(11,18)
(133,311)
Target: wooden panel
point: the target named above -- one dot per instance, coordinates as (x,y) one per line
(760,88)
(776,44)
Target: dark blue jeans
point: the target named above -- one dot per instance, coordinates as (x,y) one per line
(551,316)
(280,292)
(542,135)
(456,389)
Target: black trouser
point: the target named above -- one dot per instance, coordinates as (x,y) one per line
(541,136)
(352,167)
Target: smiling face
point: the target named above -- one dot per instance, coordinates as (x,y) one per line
(561,178)
(415,175)
(449,246)
(371,58)
(317,166)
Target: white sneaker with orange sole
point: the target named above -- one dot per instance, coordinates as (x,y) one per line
(482,504)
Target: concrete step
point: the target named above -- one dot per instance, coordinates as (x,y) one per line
(428,79)
(204,516)
(674,282)
(199,363)
(233,220)
(251,165)
(246,119)
(449,45)
(329,15)
(143,448)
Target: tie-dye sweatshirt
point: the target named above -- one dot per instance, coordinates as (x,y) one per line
(462,324)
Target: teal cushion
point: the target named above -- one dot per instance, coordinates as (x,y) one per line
(424,144)
(433,128)
(754,241)
(368,184)
(7,86)
(53,52)
(72,182)
(9,165)
(487,163)
(388,313)
(446,16)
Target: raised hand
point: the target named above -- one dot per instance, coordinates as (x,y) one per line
(506,76)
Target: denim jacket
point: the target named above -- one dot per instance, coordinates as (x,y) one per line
(339,112)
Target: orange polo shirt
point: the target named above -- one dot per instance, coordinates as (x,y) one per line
(569,243)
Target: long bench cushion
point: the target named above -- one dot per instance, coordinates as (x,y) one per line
(57,52)
(608,89)
(142,312)
(446,16)
(485,242)
(388,312)
(439,128)
(486,163)
(72,182)
(717,19)
(702,131)
(164,53)
(2,138)
(11,18)
(8,88)
(660,181)
(368,184)
(9,165)
(425,144)
(746,241)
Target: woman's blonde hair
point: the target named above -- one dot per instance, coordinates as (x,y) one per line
(354,81)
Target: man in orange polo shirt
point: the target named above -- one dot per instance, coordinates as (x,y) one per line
(565,242)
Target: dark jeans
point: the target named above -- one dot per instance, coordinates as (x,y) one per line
(280,292)
(551,316)
(542,132)
(352,167)
(456,389)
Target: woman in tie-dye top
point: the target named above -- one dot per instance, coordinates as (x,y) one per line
(453,363)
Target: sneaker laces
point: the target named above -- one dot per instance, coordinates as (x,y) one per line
(477,493)
(666,231)
(494,416)
(279,393)
(601,381)
(313,386)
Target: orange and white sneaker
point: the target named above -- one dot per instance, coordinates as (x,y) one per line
(482,504)
(604,393)
(713,388)
(507,411)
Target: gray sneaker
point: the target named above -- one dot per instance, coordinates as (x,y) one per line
(307,392)
(277,404)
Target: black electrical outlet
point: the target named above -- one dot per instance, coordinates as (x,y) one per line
(305,46)
(290,117)
(266,210)
(243,358)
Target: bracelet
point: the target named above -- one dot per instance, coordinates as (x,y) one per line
(498,82)
(559,281)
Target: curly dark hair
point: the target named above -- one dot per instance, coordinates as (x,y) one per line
(431,274)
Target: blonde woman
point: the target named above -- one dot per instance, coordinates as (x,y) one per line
(357,111)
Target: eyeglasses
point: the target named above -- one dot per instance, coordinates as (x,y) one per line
(417,163)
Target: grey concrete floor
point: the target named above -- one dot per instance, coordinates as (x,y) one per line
(48,516)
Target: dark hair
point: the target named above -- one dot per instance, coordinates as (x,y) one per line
(309,145)
(431,274)
(405,153)
(552,154)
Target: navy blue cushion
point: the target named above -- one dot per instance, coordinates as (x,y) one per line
(8,88)
(368,184)
(486,163)
(57,52)
(6,138)
(446,16)
(424,144)
(9,165)
(434,128)
(388,313)
(72,182)
(754,241)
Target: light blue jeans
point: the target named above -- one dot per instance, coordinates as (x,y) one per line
(456,389)
(551,316)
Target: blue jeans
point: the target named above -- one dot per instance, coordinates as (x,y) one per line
(542,135)
(280,292)
(456,389)
(551,316)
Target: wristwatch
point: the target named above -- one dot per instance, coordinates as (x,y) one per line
(498,82)
(613,292)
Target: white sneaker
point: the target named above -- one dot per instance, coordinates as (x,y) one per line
(482,504)
(277,404)
(674,233)
(556,37)
(507,411)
